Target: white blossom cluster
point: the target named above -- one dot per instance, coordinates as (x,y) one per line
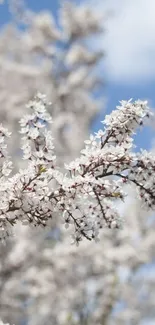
(54,56)
(84,194)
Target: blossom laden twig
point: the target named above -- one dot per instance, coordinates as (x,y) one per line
(84,195)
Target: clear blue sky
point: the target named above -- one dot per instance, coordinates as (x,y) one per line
(126,68)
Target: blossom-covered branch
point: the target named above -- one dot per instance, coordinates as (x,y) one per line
(84,194)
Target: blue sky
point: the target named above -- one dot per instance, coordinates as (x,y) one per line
(129,45)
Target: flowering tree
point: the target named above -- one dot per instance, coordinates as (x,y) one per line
(57,62)
(59,282)
(82,196)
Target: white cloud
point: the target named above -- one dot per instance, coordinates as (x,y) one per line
(129,41)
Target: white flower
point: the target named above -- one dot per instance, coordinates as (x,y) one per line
(6,168)
(83,198)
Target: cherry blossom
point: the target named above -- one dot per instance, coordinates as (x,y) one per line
(85,195)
